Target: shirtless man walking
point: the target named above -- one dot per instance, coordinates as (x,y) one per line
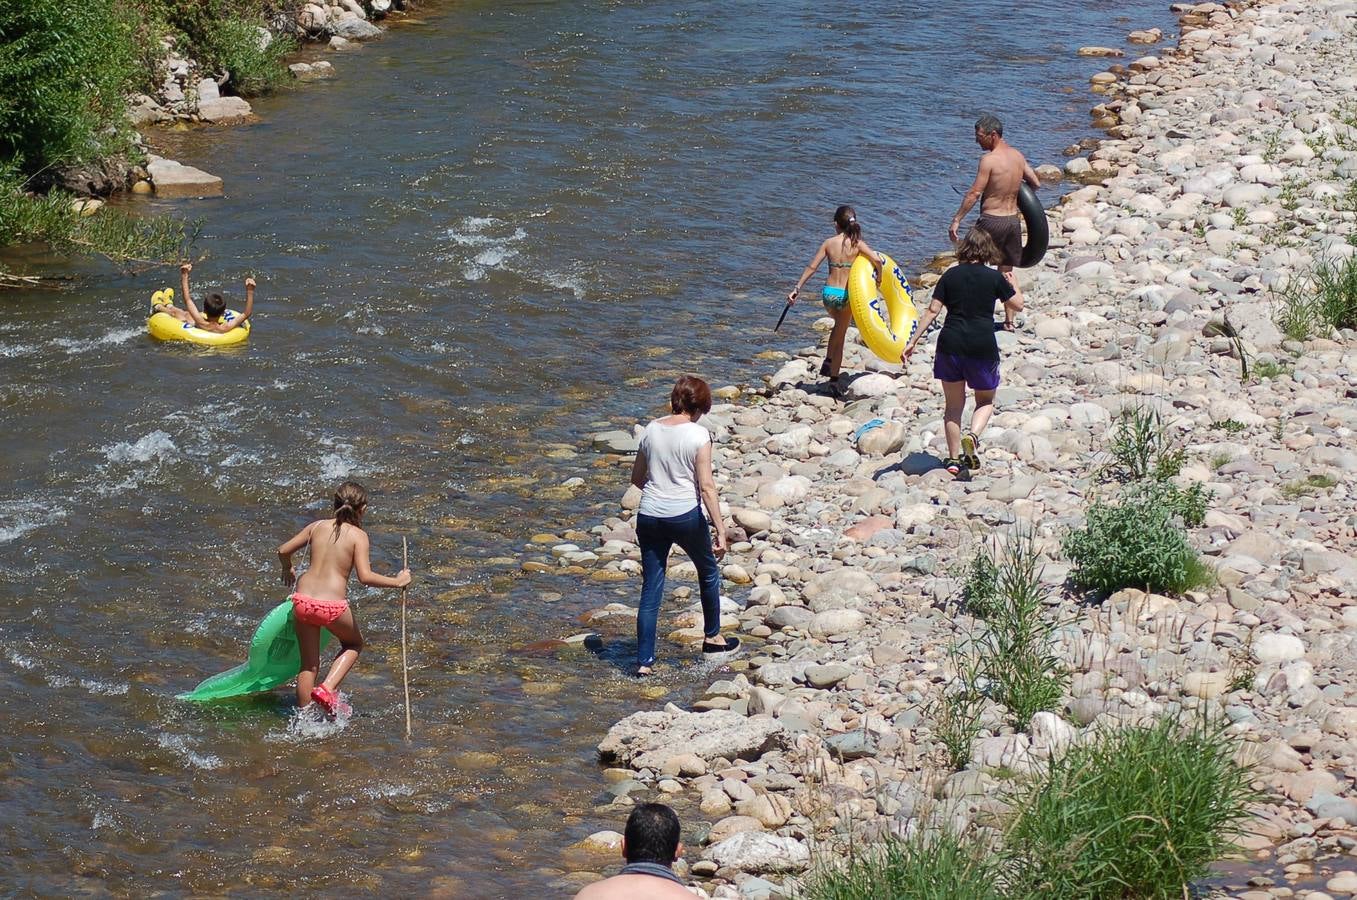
(1002,172)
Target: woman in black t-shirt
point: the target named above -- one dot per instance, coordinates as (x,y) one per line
(967,352)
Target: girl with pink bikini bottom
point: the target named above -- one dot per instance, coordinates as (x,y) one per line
(338,548)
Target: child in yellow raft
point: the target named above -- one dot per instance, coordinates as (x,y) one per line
(214,307)
(840,251)
(339,547)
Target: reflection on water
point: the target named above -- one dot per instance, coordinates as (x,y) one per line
(486,238)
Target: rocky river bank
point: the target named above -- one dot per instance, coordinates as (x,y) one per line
(1230,167)
(190,92)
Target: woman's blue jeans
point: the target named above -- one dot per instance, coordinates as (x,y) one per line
(657,536)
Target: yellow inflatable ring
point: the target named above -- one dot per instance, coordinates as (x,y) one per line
(884,329)
(165,327)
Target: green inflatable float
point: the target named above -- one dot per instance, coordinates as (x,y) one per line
(275,658)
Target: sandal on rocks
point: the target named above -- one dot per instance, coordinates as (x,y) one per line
(726,646)
(970,447)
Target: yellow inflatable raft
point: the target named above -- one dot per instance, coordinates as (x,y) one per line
(886,318)
(165,327)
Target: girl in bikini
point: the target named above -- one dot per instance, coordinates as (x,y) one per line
(338,548)
(840,250)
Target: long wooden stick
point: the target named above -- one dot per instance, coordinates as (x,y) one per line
(405,667)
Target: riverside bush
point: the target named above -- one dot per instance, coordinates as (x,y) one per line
(1139,812)
(65,66)
(224,36)
(237,46)
(1138,542)
(939,866)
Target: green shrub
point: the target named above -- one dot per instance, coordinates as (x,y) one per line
(1141,811)
(1024,672)
(65,66)
(923,867)
(1139,542)
(233,44)
(223,35)
(1142,447)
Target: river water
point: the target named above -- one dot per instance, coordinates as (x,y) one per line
(500,228)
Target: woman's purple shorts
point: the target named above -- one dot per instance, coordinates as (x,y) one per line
(979,374)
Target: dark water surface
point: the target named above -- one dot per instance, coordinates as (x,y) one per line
(489,236)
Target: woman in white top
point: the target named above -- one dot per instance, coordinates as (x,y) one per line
(673,471)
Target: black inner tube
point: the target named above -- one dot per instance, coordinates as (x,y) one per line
(1038,230)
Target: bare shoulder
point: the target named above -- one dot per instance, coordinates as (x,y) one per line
(596,891)
(356,537)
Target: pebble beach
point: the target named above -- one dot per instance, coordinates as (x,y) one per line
(1229,169)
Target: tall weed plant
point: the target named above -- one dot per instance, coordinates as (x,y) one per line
(1024,672)
(1142,447)
(1142,811)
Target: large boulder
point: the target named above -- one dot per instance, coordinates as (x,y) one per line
(172,179)
(355,29)
(843,588)
(646,740)
(224,109)
(757,851)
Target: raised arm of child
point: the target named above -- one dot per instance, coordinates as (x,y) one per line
(198,318)
(223,327)
(289,547)
(815,261)
(363,566)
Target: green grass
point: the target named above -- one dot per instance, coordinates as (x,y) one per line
(121,238)
(1218,460)
(939,866)
(1139,542)
(1269,369)
(1231,426)
(1139,813)
(1325,298)
(1310,484)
